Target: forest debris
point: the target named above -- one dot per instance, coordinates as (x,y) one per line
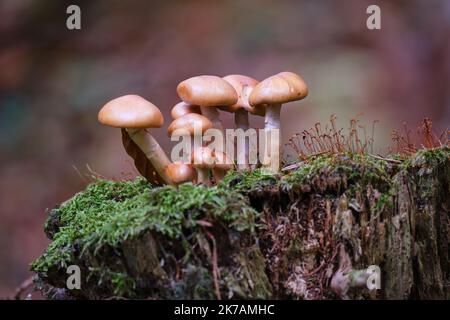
(23,287)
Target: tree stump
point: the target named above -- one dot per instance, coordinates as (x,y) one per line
(311,233)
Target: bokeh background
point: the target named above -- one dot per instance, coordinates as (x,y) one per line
(53,82)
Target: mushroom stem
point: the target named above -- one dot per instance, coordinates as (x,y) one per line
(272,141)
(203,176)
(218,174)
(241,122)
(272,120)
(213,115)
(152,150)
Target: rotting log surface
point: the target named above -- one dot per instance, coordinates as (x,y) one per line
(317,229)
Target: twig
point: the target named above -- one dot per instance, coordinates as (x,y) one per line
(385,159)
(95,175)
(299,164)
(215,267)
(25,285)
(293,166)
(79,173)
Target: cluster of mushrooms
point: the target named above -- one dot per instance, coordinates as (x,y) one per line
(202,98)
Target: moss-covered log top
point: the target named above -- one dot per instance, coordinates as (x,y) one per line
(305,234)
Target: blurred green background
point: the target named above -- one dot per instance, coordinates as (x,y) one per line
(53,82)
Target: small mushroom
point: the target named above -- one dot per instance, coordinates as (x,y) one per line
(203,161)
(273,92)
(222,164)
(182,108)
(208,92)
(135,114)
(189,125)
(179,172)
(190,122)
(243,86)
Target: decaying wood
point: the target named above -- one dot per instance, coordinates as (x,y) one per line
(318,238)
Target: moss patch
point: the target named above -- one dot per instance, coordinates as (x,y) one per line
(249,180)
(109,212)
(108,215)
(353,166)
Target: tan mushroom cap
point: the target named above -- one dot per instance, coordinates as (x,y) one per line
(243,86)
(207,91)
(131,111)
(182,108)
(189,122)
(179,172)
(280,88)
(222,161)
(203,158)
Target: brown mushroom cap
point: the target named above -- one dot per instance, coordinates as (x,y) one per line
(243,86)
(280,88)
(131,111)
(222,161)
(182,108)
(179,172)
(189,122)
(203,158)
(207,91)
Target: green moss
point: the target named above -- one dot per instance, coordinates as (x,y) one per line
(423,164)
(122,283)
(428,159)
(361,167)
(109,212)
(354,166)
(385,200)
(304,172)
(248,180)
(85,214)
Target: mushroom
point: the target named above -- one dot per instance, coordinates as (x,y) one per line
(203,161)
(274,91)
(222,164)
(179,172)
(243,86)
(190,122)
(182,108)
(135,115)
(189,125)
(208,92)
